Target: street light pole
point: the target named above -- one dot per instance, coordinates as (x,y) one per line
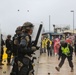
(49,23)
(73,20)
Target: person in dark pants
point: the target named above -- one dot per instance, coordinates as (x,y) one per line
(1,55)
(49,49)
(65,51)
(9,48)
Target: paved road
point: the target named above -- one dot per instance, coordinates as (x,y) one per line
(46,65)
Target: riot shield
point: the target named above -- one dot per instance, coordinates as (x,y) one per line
(36,37)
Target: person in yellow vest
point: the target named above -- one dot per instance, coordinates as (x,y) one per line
(65,51)
(46,40)
(49,47)
(44,45)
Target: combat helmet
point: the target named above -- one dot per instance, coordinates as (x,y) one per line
(9,36)
(27,25)
(19,28)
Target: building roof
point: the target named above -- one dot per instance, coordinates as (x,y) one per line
(70,31)
(52,33)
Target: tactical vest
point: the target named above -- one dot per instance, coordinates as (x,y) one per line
(65,50)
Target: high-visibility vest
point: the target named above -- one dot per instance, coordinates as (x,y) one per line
(66,50)
(42,43)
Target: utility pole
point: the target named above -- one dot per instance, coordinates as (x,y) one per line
(73,20)
(49,23)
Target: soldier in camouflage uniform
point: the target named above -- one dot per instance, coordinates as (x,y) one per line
(23,63)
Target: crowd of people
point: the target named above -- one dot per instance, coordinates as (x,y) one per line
(21,45)
(54,45)
(63,48)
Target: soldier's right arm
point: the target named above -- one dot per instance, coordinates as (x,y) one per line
(25,46)
(24,49)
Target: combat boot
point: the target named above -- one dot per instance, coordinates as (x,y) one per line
(57,68)
(72,69)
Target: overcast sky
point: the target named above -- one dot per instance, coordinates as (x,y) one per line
(39,10)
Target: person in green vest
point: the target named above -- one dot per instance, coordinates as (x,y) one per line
(65,51)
